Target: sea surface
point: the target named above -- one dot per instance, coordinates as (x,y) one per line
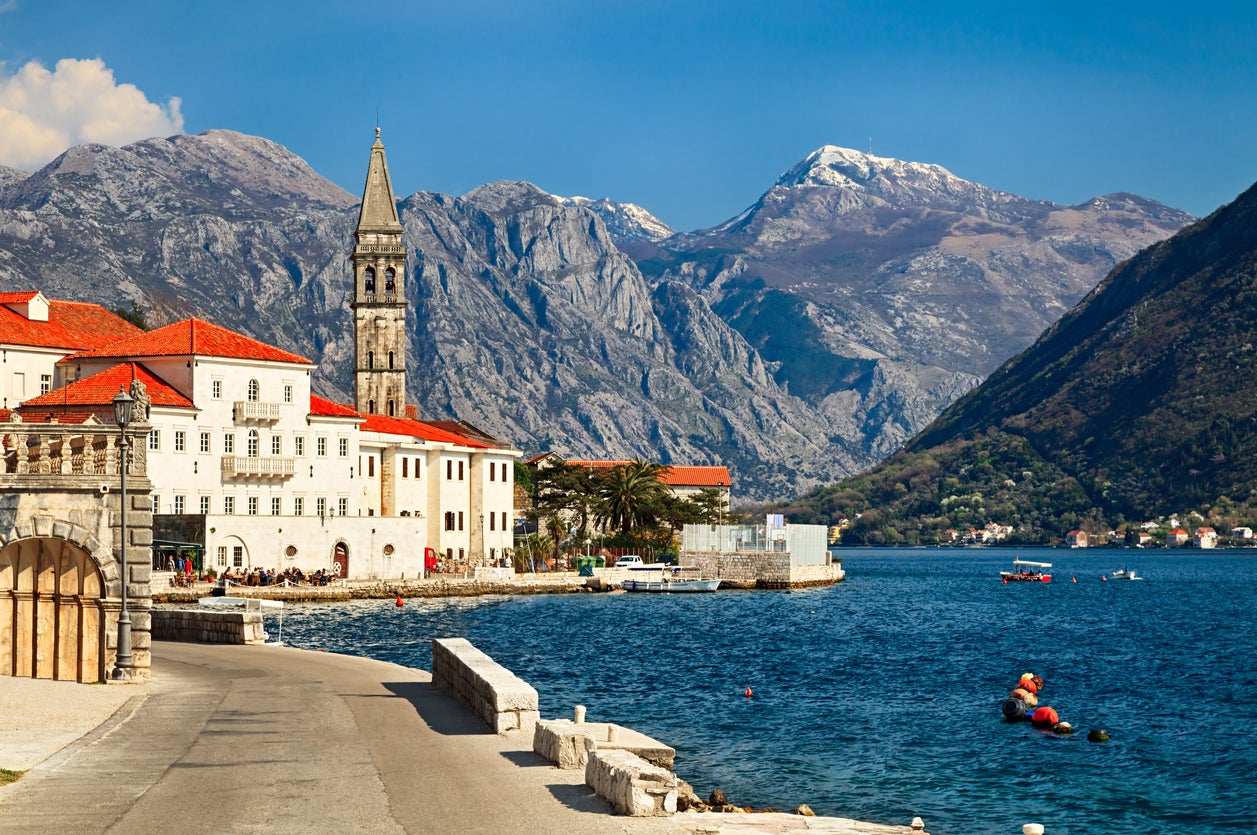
(878,698)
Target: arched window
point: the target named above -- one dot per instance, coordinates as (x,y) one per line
(368,280)
(370,407)
(253,443)
(254,391)
(390,409)
(390,359)
(370,359)
(390,285)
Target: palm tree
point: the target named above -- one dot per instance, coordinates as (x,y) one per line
(628,493)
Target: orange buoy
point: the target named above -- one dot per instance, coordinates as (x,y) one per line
(1073,579)
(748,693)
(1103,579)
(1044,716)
(399,601)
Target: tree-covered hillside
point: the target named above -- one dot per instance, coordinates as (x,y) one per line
(1141,402)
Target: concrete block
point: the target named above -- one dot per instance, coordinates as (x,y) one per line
(630,784)
(562,742)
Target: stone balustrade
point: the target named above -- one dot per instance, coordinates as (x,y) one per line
(500,698)
(39,449)
(207,627)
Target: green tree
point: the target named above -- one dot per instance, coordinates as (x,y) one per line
(629,494)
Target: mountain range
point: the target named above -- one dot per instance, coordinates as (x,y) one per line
(1138,405)
(799,342)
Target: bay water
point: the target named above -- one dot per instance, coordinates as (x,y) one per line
(878,698)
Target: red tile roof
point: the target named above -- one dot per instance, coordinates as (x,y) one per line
(71,325)
(326,408)
(673,476)
(100,390)
(194,337)
(19,297)
(418,429)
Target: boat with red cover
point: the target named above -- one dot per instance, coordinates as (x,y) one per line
(1025,571)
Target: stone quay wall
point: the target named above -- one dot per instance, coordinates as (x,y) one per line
(503,700)
(760,569)
(208,627)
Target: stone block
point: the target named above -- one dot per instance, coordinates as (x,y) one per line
(630,784)
(562,742)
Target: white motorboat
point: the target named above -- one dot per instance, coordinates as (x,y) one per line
(1124,574)
(673,580)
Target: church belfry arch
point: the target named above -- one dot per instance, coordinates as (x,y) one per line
(379,311)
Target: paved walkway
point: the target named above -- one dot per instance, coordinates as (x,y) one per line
(277,740)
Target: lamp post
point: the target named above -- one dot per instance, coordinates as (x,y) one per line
(124,666)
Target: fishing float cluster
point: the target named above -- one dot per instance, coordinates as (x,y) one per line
(1023,703)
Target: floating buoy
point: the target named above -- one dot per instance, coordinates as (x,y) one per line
(399,601)
(748,693)
(1097,735)
(320,649)
(1005,581)
(1073,579)
(1013,709)
(1044,716)
(1103,579)
(1063,728)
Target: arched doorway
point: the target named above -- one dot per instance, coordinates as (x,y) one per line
(52,616)
(340,560)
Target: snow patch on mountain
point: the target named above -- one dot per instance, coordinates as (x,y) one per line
(625,221)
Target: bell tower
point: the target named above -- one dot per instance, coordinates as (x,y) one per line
(379,305)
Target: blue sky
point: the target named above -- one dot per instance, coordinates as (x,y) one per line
(691,109)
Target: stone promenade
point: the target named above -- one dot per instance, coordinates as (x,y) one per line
(246,739)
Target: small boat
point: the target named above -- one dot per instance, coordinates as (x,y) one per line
(673,580)
(1124,574)
(1034,573)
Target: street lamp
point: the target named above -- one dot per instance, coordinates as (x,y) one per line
(124,666)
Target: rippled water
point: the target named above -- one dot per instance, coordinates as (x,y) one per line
(879,698)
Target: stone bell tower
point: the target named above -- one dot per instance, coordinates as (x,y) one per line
(379,305)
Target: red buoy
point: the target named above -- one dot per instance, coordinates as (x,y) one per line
(748,693)
(1073,579)
(399,601)
(1044,716)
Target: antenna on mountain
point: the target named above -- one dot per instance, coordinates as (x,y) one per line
(870,146)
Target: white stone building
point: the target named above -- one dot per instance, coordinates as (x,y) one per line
(273,475)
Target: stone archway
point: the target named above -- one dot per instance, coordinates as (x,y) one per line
(340,560)
(52,612)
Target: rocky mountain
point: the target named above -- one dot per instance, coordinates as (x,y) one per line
(853,270)
(798,343)
(1138,404)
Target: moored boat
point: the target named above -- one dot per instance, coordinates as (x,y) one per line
(1124,574)
(1025,571)
(673,580)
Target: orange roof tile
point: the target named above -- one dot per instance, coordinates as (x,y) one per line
(74,326)
(326,408)
(673,476)
(100,390)
(417,429)
(194,337)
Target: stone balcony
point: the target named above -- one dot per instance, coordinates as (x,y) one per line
(240,466)
(252,410)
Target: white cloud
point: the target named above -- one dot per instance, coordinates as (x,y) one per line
(43,113)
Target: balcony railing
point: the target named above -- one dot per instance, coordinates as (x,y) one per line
(40,449)
(240,466)
(254,410)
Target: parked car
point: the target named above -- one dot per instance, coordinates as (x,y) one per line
(629,561)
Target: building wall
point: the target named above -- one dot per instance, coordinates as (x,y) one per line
(22,371)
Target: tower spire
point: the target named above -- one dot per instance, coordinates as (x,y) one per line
(379,305)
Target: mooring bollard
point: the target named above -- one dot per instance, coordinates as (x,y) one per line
(918,825)
(580,714)
(611,733)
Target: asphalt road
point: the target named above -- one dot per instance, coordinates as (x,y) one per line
(277,740)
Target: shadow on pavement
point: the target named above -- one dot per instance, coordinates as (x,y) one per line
(580,798)
(438,711)
(527,759)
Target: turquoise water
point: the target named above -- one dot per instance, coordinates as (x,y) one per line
(878,698)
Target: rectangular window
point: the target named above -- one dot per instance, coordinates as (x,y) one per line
(276,504)
(299,446)
(320,446)
(237,556)
(229,505)
(253,505)
(205,442)
(222,556)
(342,507)
(179,504)
(449,470)
(493,470)
(229,444)
(277,445)
(449,520)
(205,504)
(156,503)
(343,447)
(460,520)
(216,389)
(460,470)
(416,468)
(154,439)
(320,505)
(504,515)
(45,383)
(405,467)
(181,440)
(298,506)
(492,521)
(287,393)
(370,466)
